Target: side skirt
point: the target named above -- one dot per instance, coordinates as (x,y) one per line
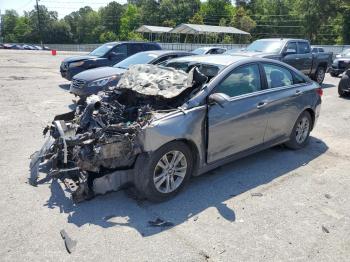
(242,154)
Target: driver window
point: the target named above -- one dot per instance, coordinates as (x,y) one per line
(120,49)
(243,80)
(292,46)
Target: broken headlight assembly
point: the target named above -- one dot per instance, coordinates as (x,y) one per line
(102,81)
(75,64)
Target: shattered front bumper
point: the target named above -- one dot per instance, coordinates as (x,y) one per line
(57,164)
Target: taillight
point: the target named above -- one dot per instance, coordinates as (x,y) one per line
(319,91)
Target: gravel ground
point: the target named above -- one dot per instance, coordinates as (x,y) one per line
(301,214)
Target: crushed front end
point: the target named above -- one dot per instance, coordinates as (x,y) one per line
(93,148)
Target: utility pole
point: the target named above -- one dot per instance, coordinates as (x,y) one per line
(1,31)
(39,24)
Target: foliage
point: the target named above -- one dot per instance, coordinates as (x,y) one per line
(321,21)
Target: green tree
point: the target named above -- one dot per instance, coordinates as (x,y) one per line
(107,37)
(129,21)
(9,23)
(196,19)
(110,17)
(179,11)
(22,30)
(213,11)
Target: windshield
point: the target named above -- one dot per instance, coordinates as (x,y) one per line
(265,46)
(136,59)
(233,51)
(206,69)
(102,50)
(346,53)
(200,51)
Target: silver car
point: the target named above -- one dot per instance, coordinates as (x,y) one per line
(156,137)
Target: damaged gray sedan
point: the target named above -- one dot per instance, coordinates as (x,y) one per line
(163,124)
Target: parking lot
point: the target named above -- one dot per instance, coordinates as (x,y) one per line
(277,205)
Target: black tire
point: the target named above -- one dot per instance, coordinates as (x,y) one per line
(334,74)
(145,169)
(293,142)
(320,74)
(344,83)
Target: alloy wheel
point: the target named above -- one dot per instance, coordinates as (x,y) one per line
(170,172)
(302,130)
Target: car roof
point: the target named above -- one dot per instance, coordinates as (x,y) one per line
(282,39)
(221,60)
(130,42)
(165,52)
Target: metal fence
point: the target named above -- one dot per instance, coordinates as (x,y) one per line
(336,49)
(167,46)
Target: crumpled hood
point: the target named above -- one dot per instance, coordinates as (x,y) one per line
(153,80)
(98,73)
(79,58)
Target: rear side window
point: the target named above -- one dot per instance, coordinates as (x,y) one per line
(304,48)
(150,47)
(243,80)
(135,48)
(277,76)
(298,79)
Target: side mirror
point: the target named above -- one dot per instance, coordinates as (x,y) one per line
(290,52)
(218,98)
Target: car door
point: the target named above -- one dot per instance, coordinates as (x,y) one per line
(284,100)
(117,54)
(291,56)
(240,123)
(305,57)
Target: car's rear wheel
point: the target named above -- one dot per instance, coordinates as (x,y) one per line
(301,131)
(165,172)
(320,74)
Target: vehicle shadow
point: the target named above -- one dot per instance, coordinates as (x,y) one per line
(64,86)
(210,190)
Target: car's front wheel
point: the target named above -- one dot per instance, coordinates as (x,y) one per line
(301,131)
(165,172)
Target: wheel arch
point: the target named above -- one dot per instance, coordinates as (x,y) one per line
(312,114)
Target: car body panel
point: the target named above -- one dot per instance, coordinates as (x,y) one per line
(214,134)
(307,63)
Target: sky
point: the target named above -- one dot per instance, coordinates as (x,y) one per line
(63,7)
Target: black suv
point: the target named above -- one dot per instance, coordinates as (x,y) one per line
(105,55)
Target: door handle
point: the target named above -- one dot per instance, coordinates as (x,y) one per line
(261,105)
(297,58)
(298,93)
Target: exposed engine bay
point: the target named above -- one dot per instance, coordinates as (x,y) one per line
(102,136)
